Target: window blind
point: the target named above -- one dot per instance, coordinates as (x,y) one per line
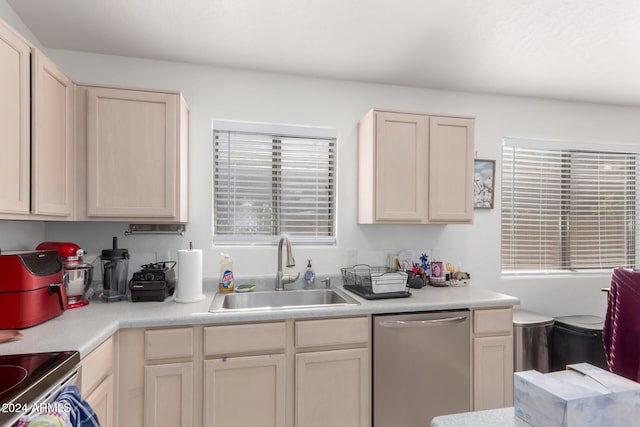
(266,185)
(567,209)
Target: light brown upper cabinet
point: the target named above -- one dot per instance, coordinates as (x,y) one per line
(36,138)
(125,159)
(451,154)
(415,168)
(52,140)
(14,123)
(136,147)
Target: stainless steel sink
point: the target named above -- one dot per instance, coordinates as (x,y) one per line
(280,300)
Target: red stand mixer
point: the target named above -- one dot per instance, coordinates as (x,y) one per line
(78,275)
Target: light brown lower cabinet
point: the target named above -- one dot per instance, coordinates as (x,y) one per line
(168,394)
(311,373)
(157,377)
(493,379)
(332,388)
(245,391)
(303,373)
(290,373)
(97,381)
(101,400)
(492,359)
(333,372)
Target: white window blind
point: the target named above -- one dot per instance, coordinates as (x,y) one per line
(269,183)
(567,209)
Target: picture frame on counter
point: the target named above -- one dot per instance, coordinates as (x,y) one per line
(484,173)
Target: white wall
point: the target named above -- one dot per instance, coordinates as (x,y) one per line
(217,93)
(21,235)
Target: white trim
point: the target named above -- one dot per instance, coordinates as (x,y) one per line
(274,129)
(548,144)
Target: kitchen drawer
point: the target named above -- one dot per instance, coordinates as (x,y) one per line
(327,332)
(168,343)
(97,366)
(494,321)
(249,338)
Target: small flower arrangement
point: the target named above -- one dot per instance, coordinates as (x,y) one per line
(419,273)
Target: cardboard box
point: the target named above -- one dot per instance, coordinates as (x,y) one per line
(581,396)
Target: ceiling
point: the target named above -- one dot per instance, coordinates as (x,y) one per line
(585,50)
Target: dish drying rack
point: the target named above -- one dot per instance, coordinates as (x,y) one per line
(375,282)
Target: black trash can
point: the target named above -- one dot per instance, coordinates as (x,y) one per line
(531,333)
(577,339)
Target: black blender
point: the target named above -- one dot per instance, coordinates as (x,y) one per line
(115,266)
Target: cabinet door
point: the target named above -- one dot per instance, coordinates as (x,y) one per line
(451,156)
(97,383)
(257,382)
(97,366)
(401,167)
(132,154)
(52,146)
(14,123)
(101,401)
(168,395)
(492,372)
(333,389)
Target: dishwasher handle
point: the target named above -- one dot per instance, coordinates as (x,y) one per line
(421,323)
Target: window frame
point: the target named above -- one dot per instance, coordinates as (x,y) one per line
(566,147)
(275,131)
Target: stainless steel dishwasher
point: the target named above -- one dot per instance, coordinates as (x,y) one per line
(421,367)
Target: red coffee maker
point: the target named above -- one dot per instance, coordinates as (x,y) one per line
(78,275)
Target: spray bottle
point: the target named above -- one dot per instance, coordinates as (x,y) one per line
(226,275)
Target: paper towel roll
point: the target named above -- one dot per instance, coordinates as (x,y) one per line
(189,287)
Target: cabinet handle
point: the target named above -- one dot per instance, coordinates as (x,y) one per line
(420,323)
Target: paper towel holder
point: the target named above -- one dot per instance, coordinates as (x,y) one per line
(189,288)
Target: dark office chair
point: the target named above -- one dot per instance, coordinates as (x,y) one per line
(621,333)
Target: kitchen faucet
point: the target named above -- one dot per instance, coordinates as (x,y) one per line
(281,279)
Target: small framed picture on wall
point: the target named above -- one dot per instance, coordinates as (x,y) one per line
(483,183)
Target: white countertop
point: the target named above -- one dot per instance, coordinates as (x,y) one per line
(84,328)
(504,417)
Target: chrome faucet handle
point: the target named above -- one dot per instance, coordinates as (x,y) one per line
(289,279)
(327,283)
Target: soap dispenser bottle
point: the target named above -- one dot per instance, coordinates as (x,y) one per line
(309,275)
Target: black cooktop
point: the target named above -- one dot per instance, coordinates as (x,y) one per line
(24,377)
